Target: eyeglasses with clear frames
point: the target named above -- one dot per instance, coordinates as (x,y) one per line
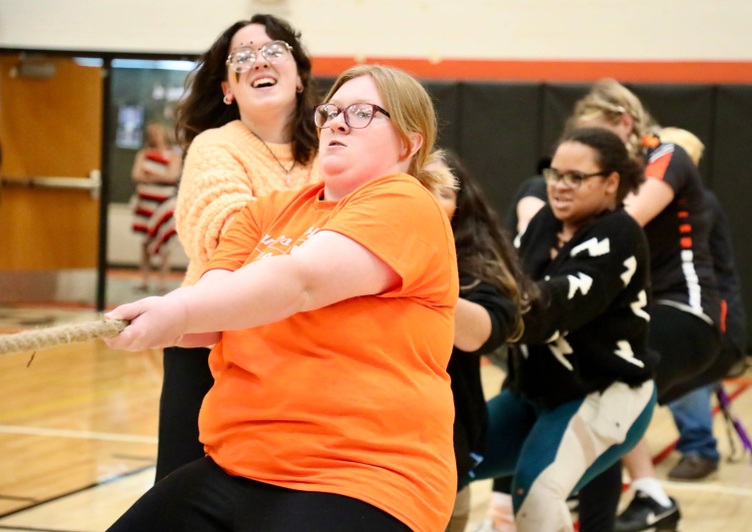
(572,179)
(357,115)
(243,58)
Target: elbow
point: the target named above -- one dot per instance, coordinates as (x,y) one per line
(471,341)
(468,345)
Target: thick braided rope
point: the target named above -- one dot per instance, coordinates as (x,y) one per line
(60,335)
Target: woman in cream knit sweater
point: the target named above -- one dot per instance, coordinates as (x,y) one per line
(247,128)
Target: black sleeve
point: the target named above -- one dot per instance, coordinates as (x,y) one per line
(671,164)
(591,272)
(500,308)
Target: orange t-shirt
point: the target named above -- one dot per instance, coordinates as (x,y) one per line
(352,398)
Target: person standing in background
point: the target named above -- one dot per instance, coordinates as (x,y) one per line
(156,171)
(247,128)
(685,310)
(692,412)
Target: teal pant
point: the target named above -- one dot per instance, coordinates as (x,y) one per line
(552,453)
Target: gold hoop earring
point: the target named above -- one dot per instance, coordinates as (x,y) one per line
(227,99)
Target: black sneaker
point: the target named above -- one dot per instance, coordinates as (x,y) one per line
(644,513)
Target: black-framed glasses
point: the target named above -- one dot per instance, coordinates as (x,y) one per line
(571,179)
(242,59)
(357,115)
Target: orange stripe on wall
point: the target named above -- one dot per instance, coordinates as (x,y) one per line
(584,71)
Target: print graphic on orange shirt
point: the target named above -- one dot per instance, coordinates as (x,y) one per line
(281,245)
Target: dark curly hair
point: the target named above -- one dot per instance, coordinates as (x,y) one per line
(202,107)
(611,155)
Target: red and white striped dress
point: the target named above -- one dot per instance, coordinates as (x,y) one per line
(155,206)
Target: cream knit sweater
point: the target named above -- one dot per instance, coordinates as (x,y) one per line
(224,169)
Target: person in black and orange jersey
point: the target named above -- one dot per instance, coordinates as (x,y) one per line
(692,412)
(685,306)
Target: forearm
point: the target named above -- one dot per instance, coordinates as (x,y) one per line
(327,268)
(472,325)
(262,292)
(527,207)
(652,197)
(205,207)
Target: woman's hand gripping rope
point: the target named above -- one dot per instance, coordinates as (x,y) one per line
(35,339)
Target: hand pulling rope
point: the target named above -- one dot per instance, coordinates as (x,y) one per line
(60,335)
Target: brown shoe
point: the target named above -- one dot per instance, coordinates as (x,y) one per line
(692,467)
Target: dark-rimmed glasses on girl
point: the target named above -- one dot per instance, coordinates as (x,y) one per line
(571,179)
(242,59)
(357,115)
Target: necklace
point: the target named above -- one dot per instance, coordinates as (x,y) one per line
(282,166)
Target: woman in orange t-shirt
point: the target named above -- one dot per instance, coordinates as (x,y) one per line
(332,313)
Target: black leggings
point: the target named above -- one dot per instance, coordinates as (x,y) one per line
(186,380)
(599,501)
(689,351)
(201,497)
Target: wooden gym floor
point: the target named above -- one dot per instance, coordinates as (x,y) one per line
(78,429)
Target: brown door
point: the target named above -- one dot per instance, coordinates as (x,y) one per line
(50,127)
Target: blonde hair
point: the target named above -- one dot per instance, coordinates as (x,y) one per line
(686,139)
(411,111)
(609,100)
(438,166)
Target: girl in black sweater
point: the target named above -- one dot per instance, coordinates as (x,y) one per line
(579,393)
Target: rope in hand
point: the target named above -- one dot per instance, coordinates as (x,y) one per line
(60,335)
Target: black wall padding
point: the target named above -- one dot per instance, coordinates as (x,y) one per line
(558,102)
(502,129)
(500,135)
(446,99)
(323,85)
(732,176)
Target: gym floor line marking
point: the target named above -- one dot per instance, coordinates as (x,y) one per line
(708,486)
(77,434)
